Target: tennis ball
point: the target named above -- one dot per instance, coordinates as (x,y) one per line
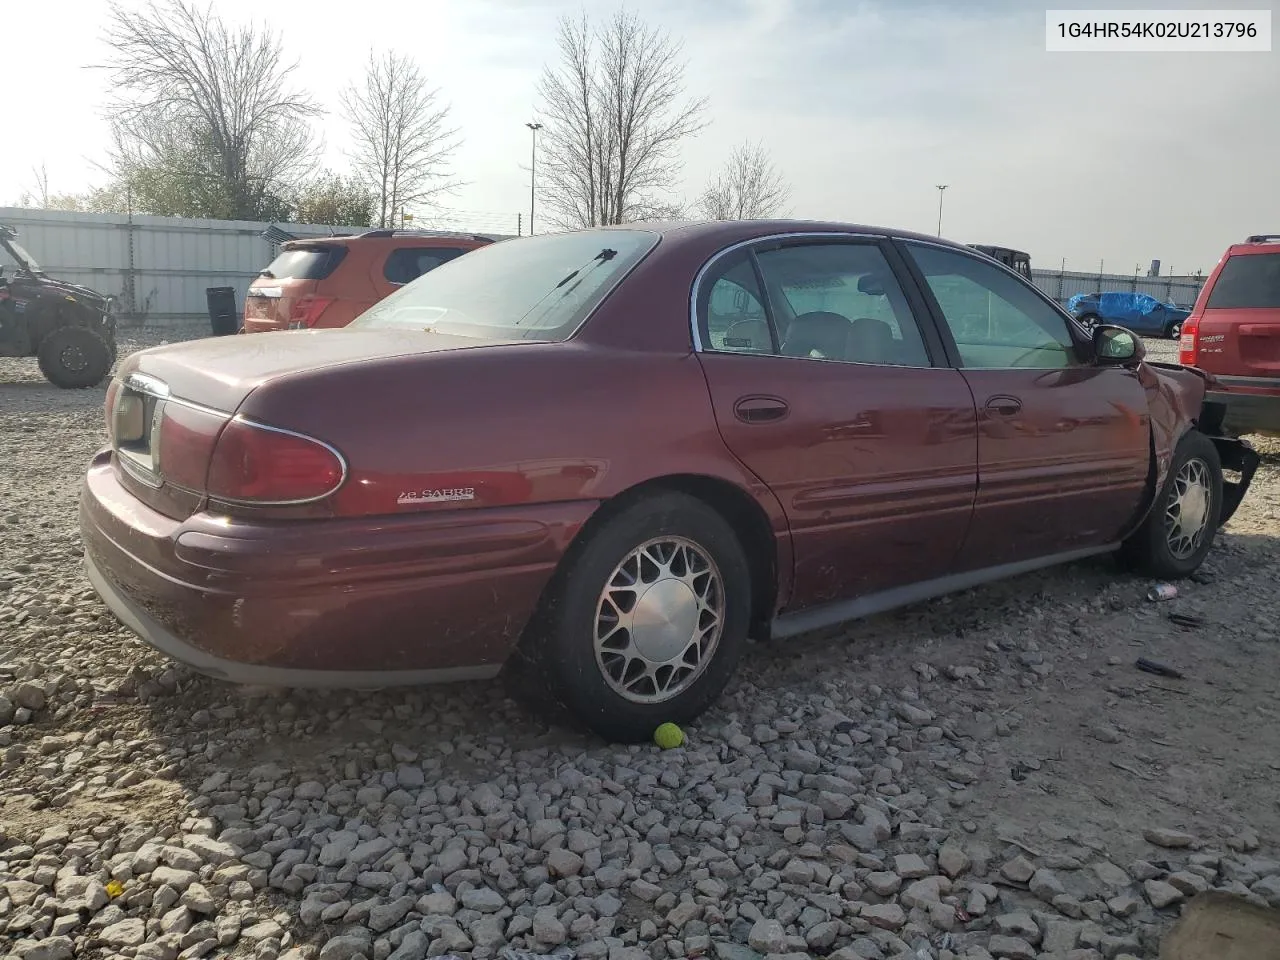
(668,736)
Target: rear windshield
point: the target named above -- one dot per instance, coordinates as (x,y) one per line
(1247,281)
(534,288)
(308,263)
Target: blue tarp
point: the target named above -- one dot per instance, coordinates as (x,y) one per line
(1137,310)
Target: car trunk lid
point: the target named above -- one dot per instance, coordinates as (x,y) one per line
(1237,332)
(1243,343)
(270,304)
(168,405)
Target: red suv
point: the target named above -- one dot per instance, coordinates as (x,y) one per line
(329,281)
(1234,333)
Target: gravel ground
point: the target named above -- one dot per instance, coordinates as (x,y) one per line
(986,775)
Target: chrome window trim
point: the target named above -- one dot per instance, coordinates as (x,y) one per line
(698,345)
(342,462)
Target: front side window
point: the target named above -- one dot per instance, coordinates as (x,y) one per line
(996,320)
(841,301)
(534,288)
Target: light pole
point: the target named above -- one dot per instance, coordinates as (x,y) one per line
(941,187)
(533,169)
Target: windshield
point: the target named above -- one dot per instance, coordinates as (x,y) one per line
(20,256)
(534,288)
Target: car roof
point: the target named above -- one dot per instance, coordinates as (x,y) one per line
(730,231)
(1258,243)
(406,237)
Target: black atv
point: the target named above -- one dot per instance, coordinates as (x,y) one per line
(69,328)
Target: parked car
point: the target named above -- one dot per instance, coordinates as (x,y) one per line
(1234,333)
(1138,312)
(642,446)
(329,281)
(69,329)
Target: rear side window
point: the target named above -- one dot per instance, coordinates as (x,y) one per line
(1246,282)
(407,264)
(306,263)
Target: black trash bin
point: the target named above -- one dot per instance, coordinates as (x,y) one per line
(224,318)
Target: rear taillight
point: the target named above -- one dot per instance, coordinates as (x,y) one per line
(1189,343)
(306,310)
(109,409)
(256,464)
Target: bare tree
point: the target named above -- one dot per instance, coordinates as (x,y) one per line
(207,104)
(403,143)
(615,115)
(42,195)
(748,187)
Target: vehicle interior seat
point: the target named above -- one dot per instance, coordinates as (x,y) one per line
(871,341)
(820,332)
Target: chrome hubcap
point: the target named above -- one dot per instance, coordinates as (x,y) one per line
(659,620)
(1187,513)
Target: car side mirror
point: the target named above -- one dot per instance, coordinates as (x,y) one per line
(1116,346)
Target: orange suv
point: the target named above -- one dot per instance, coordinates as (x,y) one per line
(1233,333)
(329,281)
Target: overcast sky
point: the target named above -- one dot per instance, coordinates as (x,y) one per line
(864,106)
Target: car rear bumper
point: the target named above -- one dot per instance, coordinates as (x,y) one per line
(432,597)
(1252,404)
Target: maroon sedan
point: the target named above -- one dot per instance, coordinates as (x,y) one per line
(617,453)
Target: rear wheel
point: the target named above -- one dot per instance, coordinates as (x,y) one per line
(75,357)
(647,622)
(1178,532)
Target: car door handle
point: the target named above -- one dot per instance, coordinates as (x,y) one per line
(1004,406)
(760,409)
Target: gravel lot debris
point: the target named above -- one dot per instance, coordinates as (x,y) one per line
(986,775)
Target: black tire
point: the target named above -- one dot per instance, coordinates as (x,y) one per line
(558,650)
(1174,330)
(1090,320)
(1148,550)
(74,358)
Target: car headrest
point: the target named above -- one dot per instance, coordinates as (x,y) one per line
(820,331)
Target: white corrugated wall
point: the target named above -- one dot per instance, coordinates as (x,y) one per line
(173,260)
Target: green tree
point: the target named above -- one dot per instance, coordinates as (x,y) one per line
(336,200)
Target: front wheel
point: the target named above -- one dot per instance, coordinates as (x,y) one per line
(74,358)
(1178,532)
(647,622)
(1090,320)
